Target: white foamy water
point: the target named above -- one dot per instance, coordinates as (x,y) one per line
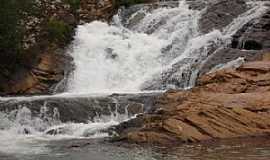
(110,59)
(23,133)
(113,58)
(232,64)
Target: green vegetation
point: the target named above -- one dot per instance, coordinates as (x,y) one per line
(11,12)
(11,30)
(58,31)
(74,4)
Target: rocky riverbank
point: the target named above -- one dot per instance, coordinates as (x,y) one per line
(224,104)
(43,30)
(228,103)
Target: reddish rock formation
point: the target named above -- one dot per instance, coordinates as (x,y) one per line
(43,62)
(95,9)
(48,71)
(229,103)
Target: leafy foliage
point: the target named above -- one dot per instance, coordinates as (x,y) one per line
(11,12)
(11,30)
(58,30)
(74,4)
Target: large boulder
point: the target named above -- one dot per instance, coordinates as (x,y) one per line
(228,103)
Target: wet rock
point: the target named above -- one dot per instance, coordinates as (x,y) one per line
(221,13)
(26,131)
(178,76)
(81,109)
(225,55)
(118,132)
(254,35)
(197,4)
(56,131)
(226,104)
(129,19)
(110,54)
(249,42)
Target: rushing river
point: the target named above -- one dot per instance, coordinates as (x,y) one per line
(95,149)
(140,54)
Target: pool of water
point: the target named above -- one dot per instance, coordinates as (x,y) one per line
(99,149)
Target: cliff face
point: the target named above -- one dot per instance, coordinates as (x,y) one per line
(228,103)
(40,62)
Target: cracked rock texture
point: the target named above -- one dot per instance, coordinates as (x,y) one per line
(228,103)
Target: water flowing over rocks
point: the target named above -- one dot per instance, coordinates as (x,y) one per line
(228,103)
(81,116)
(42,63)
(221,13)
(248,42)
(44,66)
(153,46)
(82,109)
(254,35)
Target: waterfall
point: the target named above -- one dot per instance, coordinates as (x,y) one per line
(151,50)
(155,48)
(114,58)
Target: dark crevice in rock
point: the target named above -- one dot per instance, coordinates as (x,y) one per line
(252,45)
(201,130)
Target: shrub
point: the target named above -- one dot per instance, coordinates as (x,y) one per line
(58,31)
(74,4)
(11,30)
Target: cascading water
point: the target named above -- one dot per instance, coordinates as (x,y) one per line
(20,130)
(152,49)
(112,58)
